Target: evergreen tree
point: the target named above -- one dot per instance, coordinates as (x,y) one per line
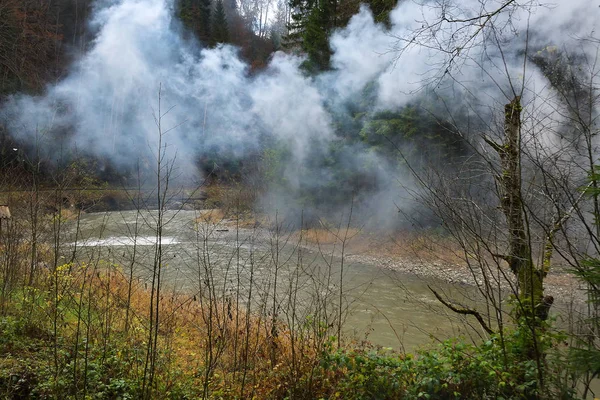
(204,16)
(185,11)
(195,16)
(381,9)
(312,23)
(316,38)
(300,11)
(220,30)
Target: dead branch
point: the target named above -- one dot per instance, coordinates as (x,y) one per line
(463,311)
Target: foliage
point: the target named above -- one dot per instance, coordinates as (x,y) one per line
(102,367)
(365,156)
(222,22)
(273,162)
(75,333)
(219,24)
(196,16)
(315,39)
(585,353)
(424,138)
(313,21)
(451,370)
(98,356)
(28,42)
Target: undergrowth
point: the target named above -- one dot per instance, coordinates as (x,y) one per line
(97,354)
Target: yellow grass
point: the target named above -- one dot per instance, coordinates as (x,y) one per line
(184,333)
(211,216)
(429,247)
(417,246)
(330,236)
(69,214)
(230,198)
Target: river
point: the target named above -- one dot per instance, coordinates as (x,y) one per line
(388,308)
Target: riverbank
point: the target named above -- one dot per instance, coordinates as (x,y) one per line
(91,339)
(560,285)
(426,255)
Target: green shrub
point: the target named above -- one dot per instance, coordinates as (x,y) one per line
(495,369)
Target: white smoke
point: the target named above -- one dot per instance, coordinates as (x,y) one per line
(110,98)
(108,101)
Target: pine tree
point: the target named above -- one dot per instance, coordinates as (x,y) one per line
(204,14)
(195,15)
(300,10)
(316,38)
(184,9)
(312,23)
(220,30)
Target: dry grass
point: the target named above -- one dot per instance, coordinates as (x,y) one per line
(329,236)
(428,247)
(210,216)
(69,214)
(414,246)
(230,198)
(422,247)
(184,334)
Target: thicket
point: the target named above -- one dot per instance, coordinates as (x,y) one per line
(88,338)
(99,353)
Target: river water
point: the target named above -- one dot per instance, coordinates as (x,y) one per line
(388,308)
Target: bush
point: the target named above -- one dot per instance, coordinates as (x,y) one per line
(495,369)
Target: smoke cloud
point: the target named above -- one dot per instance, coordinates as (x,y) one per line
(108,103)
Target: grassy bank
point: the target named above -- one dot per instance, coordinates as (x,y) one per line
(83,331)
(91,339)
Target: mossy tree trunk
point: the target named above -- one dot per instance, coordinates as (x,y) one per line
(530,279)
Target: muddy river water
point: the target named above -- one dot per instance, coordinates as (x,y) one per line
(389,308)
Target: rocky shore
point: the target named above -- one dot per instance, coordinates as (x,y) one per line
(561,285)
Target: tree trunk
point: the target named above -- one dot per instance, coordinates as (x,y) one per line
(529,279)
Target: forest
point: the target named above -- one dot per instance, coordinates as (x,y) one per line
(299,199)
